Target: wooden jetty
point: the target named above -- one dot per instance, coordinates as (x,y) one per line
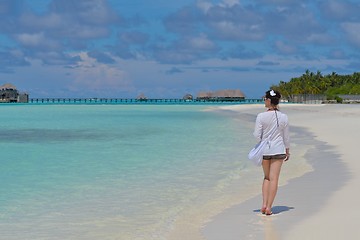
(137,101)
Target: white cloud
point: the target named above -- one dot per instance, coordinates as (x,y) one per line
(37,40)
(33,22)
(229,3)
(96,12)
(89,75)
(204,5)
(31,39)
(55,58)
(320,38)
(341,10)
(186,50)
(337,54)
(89,12)
(202,43)
(284,48)
(352,29)
(87,32)
(237,31)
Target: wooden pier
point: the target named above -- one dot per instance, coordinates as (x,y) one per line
(137,101)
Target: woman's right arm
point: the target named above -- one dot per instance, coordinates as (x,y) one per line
(258,128)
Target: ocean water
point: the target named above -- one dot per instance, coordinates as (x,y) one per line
(113,171)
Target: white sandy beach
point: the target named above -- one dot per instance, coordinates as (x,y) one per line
(321,204)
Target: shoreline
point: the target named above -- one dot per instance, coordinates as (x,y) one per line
(312,199)
(190,224)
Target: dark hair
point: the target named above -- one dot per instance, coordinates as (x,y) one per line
(274,96)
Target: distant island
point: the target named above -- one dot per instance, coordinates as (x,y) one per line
(332,86)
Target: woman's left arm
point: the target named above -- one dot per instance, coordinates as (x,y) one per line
(286,137)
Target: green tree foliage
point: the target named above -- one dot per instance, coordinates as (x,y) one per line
(316,83)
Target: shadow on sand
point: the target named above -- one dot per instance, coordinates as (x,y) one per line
(277,209)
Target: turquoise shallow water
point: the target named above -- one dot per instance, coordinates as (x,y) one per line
(111,171)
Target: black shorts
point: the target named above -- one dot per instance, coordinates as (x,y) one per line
(273,157)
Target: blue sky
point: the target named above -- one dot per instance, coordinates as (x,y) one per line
(166,48)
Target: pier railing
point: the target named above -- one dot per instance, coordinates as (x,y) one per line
(136,101)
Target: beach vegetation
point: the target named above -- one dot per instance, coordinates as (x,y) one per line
(331,85)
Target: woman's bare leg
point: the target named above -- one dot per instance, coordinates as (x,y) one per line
(270,185)
(266,184)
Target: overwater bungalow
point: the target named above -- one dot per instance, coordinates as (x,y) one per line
(9,94)
(141,97)
(222,95)
(188,97)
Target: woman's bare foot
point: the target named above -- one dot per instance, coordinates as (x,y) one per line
(268,211)
(263,210)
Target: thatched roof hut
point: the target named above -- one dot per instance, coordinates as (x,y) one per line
(9,93)
(188,97)
(141,97)
(223,94)
(7,86)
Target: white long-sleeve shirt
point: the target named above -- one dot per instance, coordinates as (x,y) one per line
(280,140)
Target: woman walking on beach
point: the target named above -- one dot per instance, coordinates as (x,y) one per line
(272,123)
